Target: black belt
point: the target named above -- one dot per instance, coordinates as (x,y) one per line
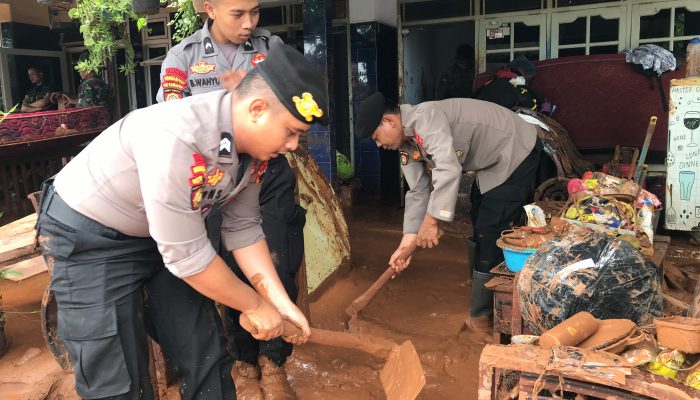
(52,205)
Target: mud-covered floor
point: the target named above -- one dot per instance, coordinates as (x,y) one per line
(427,304)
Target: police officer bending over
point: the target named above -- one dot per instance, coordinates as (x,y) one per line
(449,137)
(122,226)
(230,41)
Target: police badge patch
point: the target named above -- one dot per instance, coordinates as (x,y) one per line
(459,153)
(404,157)
(208,46)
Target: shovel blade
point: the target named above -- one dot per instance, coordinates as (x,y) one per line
(402,376)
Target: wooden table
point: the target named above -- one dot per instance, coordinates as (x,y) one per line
(507,321)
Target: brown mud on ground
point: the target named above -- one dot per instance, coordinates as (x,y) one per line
(38,377)
(427,304)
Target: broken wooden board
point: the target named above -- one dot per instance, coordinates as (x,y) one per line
(591,366)
(18,238)
(25,269)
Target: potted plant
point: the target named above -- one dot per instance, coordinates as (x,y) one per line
(103,24)
(186,20)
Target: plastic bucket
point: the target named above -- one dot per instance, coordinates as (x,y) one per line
(515,259)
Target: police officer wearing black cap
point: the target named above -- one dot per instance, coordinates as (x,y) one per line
(450,137)
(200,63)
(122,227)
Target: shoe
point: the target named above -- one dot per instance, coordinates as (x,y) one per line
(274,382)
(246,377)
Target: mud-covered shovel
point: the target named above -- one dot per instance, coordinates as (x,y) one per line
(402,376)
(362,300)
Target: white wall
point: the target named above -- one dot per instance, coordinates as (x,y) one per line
(383,11)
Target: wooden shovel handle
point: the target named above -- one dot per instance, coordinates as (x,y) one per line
(361,302)
(373,345)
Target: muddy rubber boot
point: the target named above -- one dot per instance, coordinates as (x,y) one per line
(471,257)
(482,300)
(3,339)
(246,377)
(274,382)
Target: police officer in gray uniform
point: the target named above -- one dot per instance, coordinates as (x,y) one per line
(122,227)
(230,41)
(447,138)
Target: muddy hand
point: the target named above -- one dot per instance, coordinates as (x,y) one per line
(402,256)
(297,318)
(264,323)
(231,79)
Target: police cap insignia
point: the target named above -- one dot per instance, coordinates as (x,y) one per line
(307,106)
(404,157)
(290,75)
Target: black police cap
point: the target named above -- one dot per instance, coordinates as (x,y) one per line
(297,83)
(370,115)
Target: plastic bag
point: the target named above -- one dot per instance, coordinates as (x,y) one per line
(582,270)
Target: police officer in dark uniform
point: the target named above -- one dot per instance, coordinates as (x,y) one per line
(230,41)
(122,229)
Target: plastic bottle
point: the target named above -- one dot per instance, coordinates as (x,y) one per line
(692,55)
(570,332)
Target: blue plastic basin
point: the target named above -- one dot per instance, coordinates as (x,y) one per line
(515,259)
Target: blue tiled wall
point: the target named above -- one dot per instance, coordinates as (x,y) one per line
(317,15)
(374,67)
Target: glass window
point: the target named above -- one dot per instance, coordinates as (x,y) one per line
(578,51)
(687,23)
(434,9)
(655,26)
(499,38)
(604,30)
(603,49)
(499,6)
(526,36)
(573,32)
(154,52)
(271,16)
(156,29)
(569,3)
(497,60)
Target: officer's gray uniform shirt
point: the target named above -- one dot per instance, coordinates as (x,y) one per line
(193,66)
(156,173)
(452,136)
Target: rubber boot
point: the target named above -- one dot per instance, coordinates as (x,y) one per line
(3,339)
(246,377)
(471,257)
(274,382)
(482,298)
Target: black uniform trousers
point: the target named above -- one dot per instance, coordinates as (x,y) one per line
(501,208)
(113,290)
(283,224)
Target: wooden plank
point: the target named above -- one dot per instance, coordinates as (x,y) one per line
(17,238)
(26,269)
(661,244)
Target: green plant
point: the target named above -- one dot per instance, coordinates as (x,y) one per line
(103,24)
(186,21)
(4,115)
